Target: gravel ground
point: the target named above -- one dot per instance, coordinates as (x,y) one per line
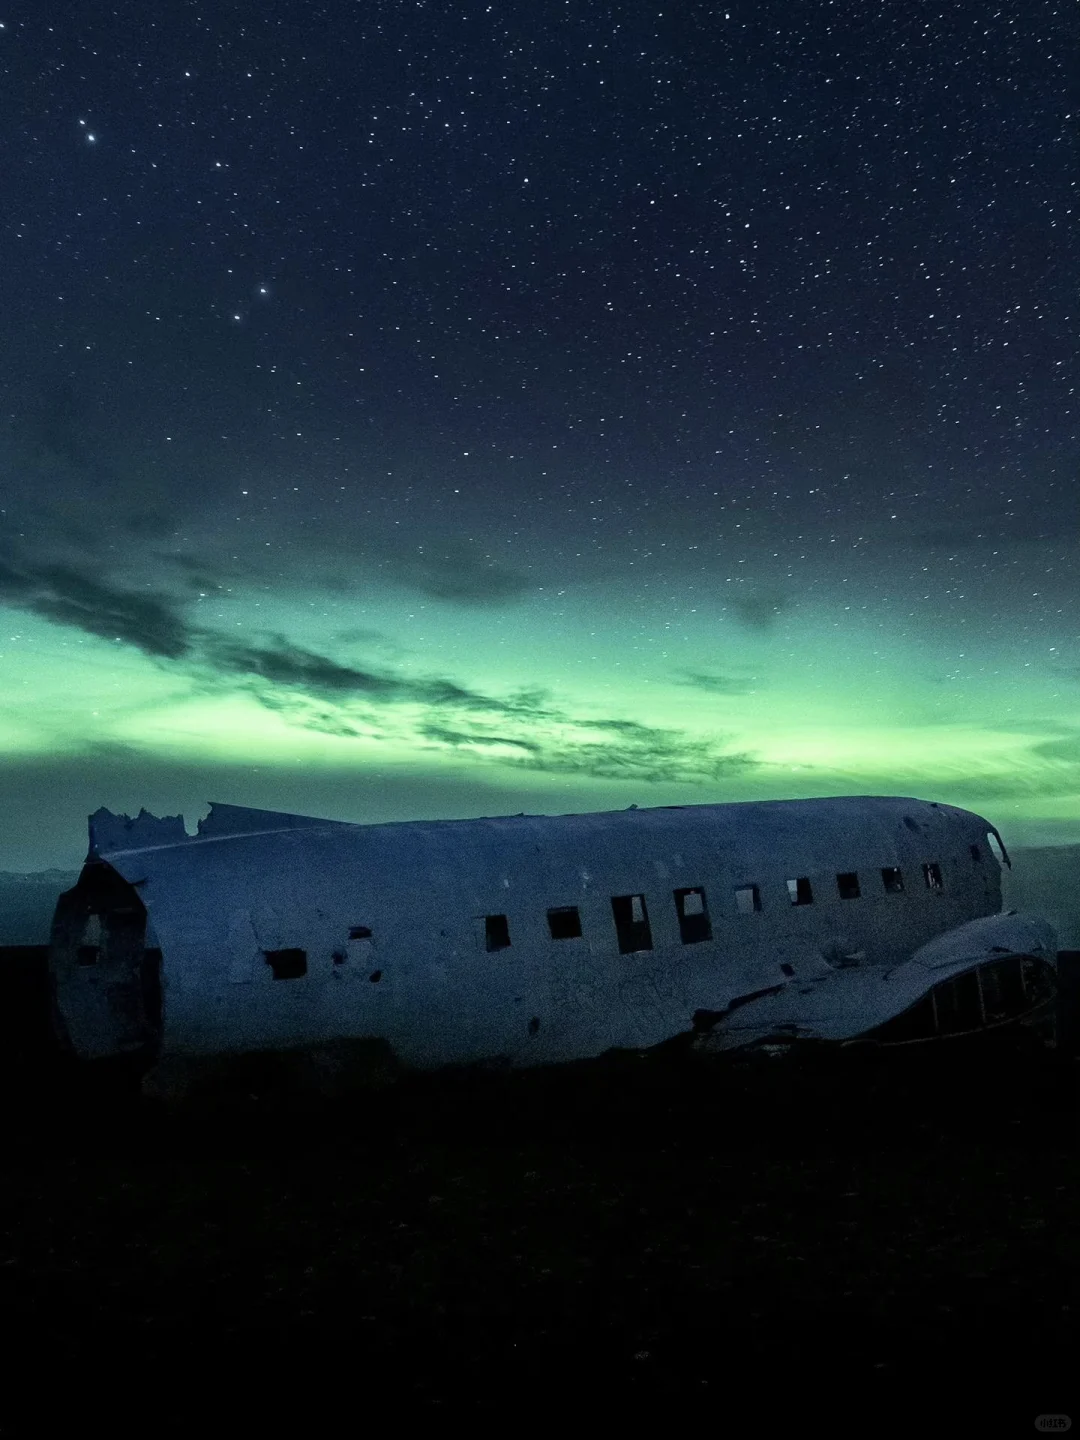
(772,1238)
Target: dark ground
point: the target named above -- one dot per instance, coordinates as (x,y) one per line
(791,1239)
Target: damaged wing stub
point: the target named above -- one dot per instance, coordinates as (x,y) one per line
(541,938)
(992,972)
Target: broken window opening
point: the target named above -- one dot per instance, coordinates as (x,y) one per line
(564,922)
(1038,978)
(288,964)
(1002,987)
(88,952)
(747,899)
(976,854)
(496,932)
(932,875)
(375,976)
(339,957)
(631,923)
(799,891)
(693,911)
(359,932)
(958,1005)
(848,885)
(892,877)
(786,968)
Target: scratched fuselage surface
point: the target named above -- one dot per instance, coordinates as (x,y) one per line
(279,931)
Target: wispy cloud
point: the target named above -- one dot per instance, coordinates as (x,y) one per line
(1066,747)
(653,756)
(757,610)
(523,728)
(279,662)
(194,574)
(714,684)
(360,635)
(478,739)
(73,597)
(459,574)
(601,749)
(62,445)
(1065,669)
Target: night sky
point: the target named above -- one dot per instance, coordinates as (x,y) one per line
(450,409)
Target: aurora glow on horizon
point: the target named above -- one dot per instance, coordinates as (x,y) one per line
(547,411)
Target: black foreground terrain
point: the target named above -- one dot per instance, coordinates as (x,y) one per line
(783,1238)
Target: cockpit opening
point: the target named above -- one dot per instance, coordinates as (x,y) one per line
(107,980)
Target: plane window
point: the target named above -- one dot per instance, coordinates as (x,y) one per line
(976,853)
(286,964)
(958,1004)
(564,922)
(693,911)
(747,899)
(799,891)
(631,923)
(1002,986)
(848,885)
(496,932)
(892,877)
(932,876)
(89,952)
(359,932)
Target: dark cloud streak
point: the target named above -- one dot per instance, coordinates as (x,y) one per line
(455,573)
(282,663)
(759,610)
(289,679)
(71,597)
(714,684)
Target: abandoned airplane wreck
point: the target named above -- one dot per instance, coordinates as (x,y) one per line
(537,939)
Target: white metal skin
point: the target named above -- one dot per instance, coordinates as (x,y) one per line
(254,883)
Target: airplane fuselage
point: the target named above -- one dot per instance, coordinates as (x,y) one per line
(538,939)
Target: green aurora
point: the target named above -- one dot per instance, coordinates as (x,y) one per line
(576,701)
